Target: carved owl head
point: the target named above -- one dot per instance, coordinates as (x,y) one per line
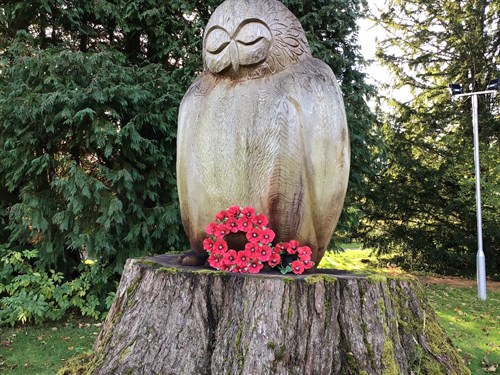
(252,38)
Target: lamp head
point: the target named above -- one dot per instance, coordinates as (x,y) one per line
(455,89)
(494,85)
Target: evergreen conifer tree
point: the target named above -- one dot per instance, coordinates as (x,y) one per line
(423,201)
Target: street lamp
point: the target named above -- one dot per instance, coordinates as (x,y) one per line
(494,84)
(457,92)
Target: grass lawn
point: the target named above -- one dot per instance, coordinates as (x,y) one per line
(41,350)
(473,326)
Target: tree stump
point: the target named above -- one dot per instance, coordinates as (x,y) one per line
(172,319)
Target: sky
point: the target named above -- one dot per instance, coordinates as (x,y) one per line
(369,34)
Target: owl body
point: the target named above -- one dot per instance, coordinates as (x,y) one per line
(272,137)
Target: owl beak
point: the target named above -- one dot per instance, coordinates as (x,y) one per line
(235,58)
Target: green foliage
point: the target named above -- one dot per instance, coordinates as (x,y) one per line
(97,154)
(89,93)
(422,203)
(89,147)
(31,293)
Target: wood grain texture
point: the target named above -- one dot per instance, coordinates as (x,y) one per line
(279,144)
(188,321)
(263,126)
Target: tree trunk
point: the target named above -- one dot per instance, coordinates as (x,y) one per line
(169,319)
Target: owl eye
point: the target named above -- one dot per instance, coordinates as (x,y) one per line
(252,32)
(251,42)
(254,40)
(217,40)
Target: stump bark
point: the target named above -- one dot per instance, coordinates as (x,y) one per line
(168,319)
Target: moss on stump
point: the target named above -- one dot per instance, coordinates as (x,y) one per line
(184,321)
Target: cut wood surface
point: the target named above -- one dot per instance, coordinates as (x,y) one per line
(171,319)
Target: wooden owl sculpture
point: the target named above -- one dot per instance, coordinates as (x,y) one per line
(264,125)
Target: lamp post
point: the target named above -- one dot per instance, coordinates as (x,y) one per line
(457,92)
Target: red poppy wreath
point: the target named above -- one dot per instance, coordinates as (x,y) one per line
(258,250)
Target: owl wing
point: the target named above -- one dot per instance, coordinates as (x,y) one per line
(319,104)
(189,113)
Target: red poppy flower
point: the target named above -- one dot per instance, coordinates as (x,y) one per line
(242,259)
(304,257)
(266,236)
(248,212)
(208,244)
(244,224)
(253,235)
(280,248)
(230,258)
(221,216)
(232,224)
(264,253)
(221,230)
(260,220)
(219,247)
(234,211)
(237,219)
(307,263)
(292,247)
(210,229)
(252,248)
(215,260)
(297,267)
(224,267)
(274,260)
(255,266)
(303,251)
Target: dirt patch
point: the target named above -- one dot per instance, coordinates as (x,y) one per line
(458,282)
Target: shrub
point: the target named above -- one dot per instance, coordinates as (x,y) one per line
(88,151)
(29,292)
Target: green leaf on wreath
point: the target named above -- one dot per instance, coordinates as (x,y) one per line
(285,270)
